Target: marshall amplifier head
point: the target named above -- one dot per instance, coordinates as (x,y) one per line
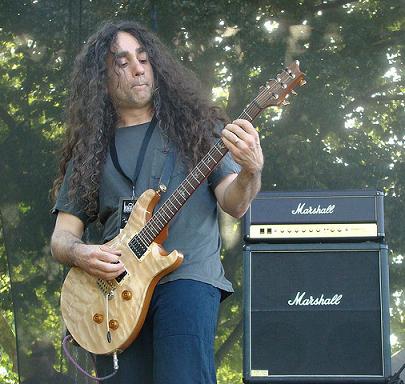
(316,313)
(355,215)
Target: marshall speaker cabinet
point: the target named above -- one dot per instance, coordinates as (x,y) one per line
(317,311)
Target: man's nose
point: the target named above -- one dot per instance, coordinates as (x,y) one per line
(137,69)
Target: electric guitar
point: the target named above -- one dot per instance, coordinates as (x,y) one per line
(106,316)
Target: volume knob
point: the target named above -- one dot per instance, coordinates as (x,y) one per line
(126,295)
(113,324)
(98,318)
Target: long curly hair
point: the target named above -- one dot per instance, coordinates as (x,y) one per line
(180,104)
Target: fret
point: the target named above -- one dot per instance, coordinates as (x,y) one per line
(169,201)
(168,208)
(222,145)
(201,172)
(192,186)
(218,150)
(138,239)
(173,202)
(175,198)
(181,192)
(162,223)
(156,218)
(243,116)
(143,236)
(244,111)
(198,173)
(168,217)
(148,235)
(203,162)
(212,158)
(178,196)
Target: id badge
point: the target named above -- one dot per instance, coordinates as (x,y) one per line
(125,208)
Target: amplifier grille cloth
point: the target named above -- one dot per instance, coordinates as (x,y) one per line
(342,339)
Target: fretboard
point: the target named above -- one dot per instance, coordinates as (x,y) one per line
(273,93)
(183,192)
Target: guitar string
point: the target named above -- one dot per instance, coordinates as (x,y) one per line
(147,235)
(250,108)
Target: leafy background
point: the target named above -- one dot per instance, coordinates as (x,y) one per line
(345,130)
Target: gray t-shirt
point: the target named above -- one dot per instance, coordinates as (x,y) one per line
(193,231)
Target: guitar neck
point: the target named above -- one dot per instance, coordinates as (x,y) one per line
(194,179)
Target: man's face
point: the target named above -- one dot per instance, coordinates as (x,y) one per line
(130,81)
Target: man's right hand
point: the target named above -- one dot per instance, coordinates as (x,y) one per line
(68,248)
(98,260)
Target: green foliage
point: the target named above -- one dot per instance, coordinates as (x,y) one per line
(344,130)
(7,374)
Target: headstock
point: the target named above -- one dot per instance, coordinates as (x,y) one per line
(276,90)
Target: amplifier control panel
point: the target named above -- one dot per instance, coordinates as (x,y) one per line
(355,215)
(302,231)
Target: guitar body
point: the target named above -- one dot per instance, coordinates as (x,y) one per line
(84,305)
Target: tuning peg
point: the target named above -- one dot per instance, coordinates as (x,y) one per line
(294,93)
(285,102)
(302,82)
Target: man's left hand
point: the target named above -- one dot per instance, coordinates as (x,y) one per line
(243,142)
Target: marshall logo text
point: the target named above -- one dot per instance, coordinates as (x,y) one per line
(300,299)
(303,210)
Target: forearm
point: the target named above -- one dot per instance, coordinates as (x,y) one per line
(68,248)
(242,140)
(239,194)
(64,247)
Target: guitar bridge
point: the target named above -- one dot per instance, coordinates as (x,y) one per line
(107,287)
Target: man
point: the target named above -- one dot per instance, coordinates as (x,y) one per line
(123,80)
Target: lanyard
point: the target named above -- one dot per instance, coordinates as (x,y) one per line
(141,157)
(168,166)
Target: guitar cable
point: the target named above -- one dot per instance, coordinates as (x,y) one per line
(396,379)
(69,338)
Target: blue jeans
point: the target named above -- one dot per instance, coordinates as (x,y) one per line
(176,343)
